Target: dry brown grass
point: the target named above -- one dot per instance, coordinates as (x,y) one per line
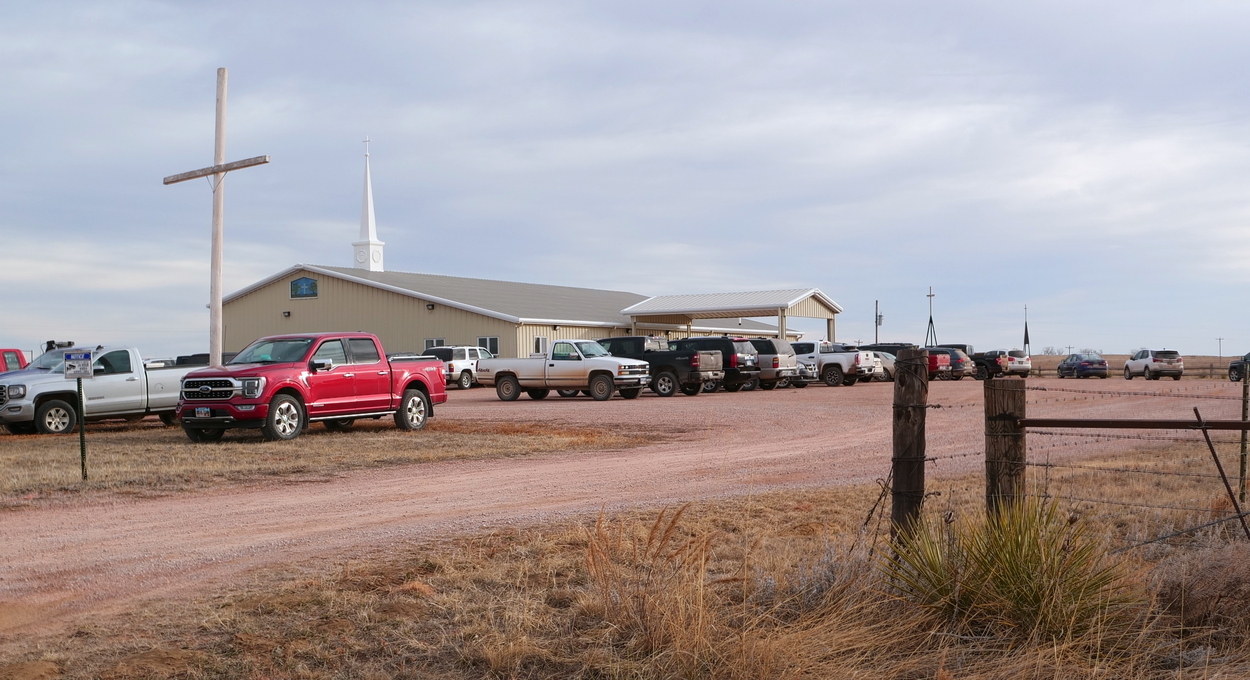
(782,585)
(145,457)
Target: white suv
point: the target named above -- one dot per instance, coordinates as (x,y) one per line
(1153,363)
(1018,363)
(460,363)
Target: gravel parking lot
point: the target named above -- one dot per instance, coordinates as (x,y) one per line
(100,555)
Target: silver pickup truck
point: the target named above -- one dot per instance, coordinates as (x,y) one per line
(569,365)
(838,364)
(39,399)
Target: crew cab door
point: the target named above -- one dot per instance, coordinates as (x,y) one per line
(334,390)
(565,368)
(118,385)
(373,375)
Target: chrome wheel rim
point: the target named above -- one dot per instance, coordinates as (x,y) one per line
(466,381)
(286,419)
(56,419)
(664,384)
(415,410)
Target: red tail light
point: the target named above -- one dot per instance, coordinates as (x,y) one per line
(733,360)
(1086,363)
(694,360)
(776,362)
(856,359)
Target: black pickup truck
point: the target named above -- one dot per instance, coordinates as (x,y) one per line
(1237,369)
(987,365)
(671,369)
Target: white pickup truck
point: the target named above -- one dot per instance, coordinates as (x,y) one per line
(569,365)
(838,364)
(40,399)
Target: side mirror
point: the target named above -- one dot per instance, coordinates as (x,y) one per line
(315,365)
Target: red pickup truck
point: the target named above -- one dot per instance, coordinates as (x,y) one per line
(12,360)
(281,383)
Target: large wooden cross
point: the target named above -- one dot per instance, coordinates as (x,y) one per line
(217,173)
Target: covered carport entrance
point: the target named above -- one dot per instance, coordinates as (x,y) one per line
(685,309)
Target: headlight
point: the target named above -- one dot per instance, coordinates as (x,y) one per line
(252,387)
(17,391)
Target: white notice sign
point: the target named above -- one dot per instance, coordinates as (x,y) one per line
(78,365)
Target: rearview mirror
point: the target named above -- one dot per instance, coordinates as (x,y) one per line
(315,365)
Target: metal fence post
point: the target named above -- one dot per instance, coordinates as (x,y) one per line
(1004,442)
(82,431)
(911,399)
(1245,412)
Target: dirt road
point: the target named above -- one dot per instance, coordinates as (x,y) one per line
(96,556)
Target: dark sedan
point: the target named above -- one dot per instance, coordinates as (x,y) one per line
(1083,366)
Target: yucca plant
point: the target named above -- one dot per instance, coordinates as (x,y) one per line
(1024,571)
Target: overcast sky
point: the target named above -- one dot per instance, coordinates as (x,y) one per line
(1090,161)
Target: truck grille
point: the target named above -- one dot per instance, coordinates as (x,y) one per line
(4,394)
(219,389)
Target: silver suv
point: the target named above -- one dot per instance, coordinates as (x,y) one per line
(1153,363)
(778,362)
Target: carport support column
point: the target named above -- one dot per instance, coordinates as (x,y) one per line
(689,328)
(830,326)
(911,400)
(781,324)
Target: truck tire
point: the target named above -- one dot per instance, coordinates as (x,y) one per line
(414,410)
(601,388)
(799,383)
(465,381)
(631,393)
(750,384)
(832,375)
(868,379)
(21,428)
(170,418)
(538,393)
(768,384)
(1145,374)
(850,381)
(202,436)
(567,393)
(55,417)
(339,424)
(508,388)
(692,390)
(1234,375)
(982,373)
(734,387)
(665,384)
(285,420)
(711,386)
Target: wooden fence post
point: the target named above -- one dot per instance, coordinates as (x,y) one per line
(1004,442)
(911,399)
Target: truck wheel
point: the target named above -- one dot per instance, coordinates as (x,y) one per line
(832,376)
(768,384)
(414,410)
(889,377)
(692,390)
(1145,374)
(202,436)
(55,417)
(508,388)
(869,379)
(1176,377)
(340,424)
(538,393)
(601,388)
(850,381)
(1234,375)
(1128,375)
(982,373)
(665,384)
(711,386)
(285,420)
(799,383)
(783,383)
(734,387)
(567,393)
(750,384)
(465,381)
(21,428)
(170,418)
(631,393)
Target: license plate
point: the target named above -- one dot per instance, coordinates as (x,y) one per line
(202,412)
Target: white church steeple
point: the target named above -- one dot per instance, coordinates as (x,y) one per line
(368,249)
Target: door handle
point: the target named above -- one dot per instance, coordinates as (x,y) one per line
(349,375)
(132,379)
(382,373)
(552,365)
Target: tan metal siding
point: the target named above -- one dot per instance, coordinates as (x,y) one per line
(525,334)
(811,308)
(402,322)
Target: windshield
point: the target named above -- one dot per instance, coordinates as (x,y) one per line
(273,351)
(50,361)
(592,349)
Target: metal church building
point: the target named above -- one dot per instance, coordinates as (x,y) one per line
(413,312)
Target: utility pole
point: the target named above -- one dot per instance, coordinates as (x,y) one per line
(217,171)
(877,319)
(1069,349)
